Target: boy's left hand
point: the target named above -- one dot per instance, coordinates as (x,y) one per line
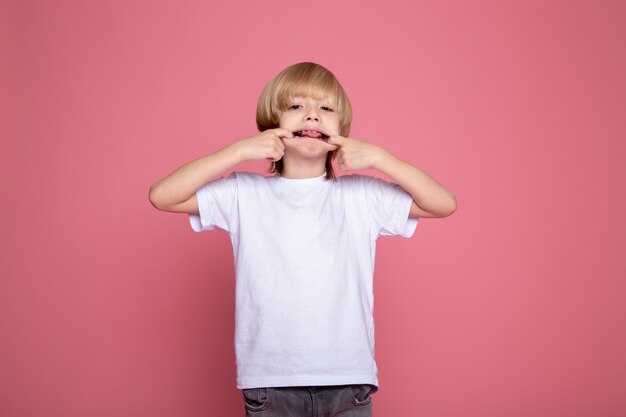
(356,154)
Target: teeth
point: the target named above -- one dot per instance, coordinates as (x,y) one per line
(300,133)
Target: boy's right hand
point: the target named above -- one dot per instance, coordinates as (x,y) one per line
(265,145)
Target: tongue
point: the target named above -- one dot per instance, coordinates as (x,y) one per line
(311,134)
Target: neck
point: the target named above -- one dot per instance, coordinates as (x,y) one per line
(300,168)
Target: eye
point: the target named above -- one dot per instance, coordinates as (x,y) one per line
(326,108)
(294,107)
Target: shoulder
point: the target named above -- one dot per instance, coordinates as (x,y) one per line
(351,179)
(371,188)
(360,180)
(233,181)
(252,182)
(243,176)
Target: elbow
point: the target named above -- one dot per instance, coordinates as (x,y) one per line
(444,208)
(452,205)
(161,198)
(154,196)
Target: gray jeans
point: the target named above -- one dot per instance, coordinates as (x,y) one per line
(323,401)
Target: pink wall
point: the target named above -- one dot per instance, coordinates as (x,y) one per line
(514,306)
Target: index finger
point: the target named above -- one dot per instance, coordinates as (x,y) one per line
(336,140)
(283,133)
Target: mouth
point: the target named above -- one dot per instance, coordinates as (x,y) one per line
(310,133)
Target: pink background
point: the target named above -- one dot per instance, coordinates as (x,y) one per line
(514,306)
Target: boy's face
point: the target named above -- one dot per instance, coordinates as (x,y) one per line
(311,121)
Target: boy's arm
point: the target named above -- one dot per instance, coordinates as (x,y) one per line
(177,192)
(430,199)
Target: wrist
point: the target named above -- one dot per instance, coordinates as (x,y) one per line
(236,152)
(381,159)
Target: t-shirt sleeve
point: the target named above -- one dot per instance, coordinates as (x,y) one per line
(217,205)
(389,205)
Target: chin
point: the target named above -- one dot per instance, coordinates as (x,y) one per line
(307,150)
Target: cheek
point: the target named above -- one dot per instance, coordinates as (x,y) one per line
(334,123)
(283,120)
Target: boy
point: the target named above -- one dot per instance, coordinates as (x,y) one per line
(304,244)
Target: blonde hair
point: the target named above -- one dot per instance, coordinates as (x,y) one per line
(304,79)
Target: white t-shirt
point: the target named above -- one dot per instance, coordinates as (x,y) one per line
(304,258)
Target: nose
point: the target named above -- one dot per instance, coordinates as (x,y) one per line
(313,116)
